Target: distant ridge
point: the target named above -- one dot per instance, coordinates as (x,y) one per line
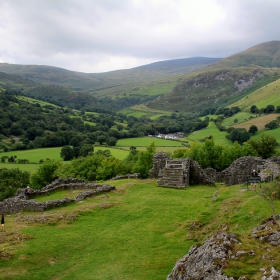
(92,82)
(265,55)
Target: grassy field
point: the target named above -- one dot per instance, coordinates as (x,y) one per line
(146,141)
(267,95)
(260,122)
(137,232)
(141,110)
(219,136)
(35,155)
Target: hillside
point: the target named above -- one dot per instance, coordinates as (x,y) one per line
(224,82)
(113,81)
(269,94)
(137,232)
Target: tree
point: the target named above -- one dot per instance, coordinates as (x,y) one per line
(112,141)
(11,180)
(253,129)
(45,174)
(101,139)
(272,125)
(253,109)
(67,153)
(145,161)
(265,146)
(86,150)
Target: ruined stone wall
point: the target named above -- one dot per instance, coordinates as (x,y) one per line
(199,176)
(18,203)
(159,161)
(240,169)
(236,173)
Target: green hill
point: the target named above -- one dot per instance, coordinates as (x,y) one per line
(137,232)
(224,82)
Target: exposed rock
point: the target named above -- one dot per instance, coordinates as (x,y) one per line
(268,232)
(206,261)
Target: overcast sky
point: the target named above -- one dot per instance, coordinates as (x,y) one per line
(103,35)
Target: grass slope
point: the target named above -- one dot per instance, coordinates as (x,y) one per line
(267,95)
(137,232)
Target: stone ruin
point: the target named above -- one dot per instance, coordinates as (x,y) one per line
(180,173)
(18,203)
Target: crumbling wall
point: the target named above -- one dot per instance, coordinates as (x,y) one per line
(18,203)
(159,161)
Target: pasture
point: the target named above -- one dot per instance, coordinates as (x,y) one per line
(137,232)
(218,136)
(260,122)
(146,141)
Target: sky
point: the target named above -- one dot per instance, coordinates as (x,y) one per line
(95,36)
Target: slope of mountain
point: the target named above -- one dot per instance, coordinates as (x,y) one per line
(265,55)
(224,82)
(113,80)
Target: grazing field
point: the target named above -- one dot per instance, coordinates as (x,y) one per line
(35,155)
(137,232)
(146,141)
(117,153)
(142,110)
(260,122)
(29,167)
(241,117)
(218,136)
(267,95)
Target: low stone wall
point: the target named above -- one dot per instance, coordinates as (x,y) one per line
(127,176)
(18,203)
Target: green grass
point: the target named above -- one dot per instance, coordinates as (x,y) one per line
(137,232)
(35,155)
(266,95)
(116,152)
(146,141)
(29,167)
(219,136)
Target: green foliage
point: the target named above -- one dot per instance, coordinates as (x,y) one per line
(99,166)
(46,173)
(11,180)
(219,157)
(67,153)
(253,129)
(270,192)
(239,134)
(86,150)
(272,125)
(145,161)
(265,146)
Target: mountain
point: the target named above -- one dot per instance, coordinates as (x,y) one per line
(113,80)
(224,82)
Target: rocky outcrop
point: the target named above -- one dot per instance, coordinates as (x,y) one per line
(206,261)
(268,232)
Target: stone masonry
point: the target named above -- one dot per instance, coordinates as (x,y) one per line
(18,203)
(179,173)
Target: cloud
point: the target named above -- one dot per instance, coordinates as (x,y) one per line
(94,36)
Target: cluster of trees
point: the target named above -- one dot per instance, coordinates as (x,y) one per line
(101,165)
(219,157)
(267,110)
